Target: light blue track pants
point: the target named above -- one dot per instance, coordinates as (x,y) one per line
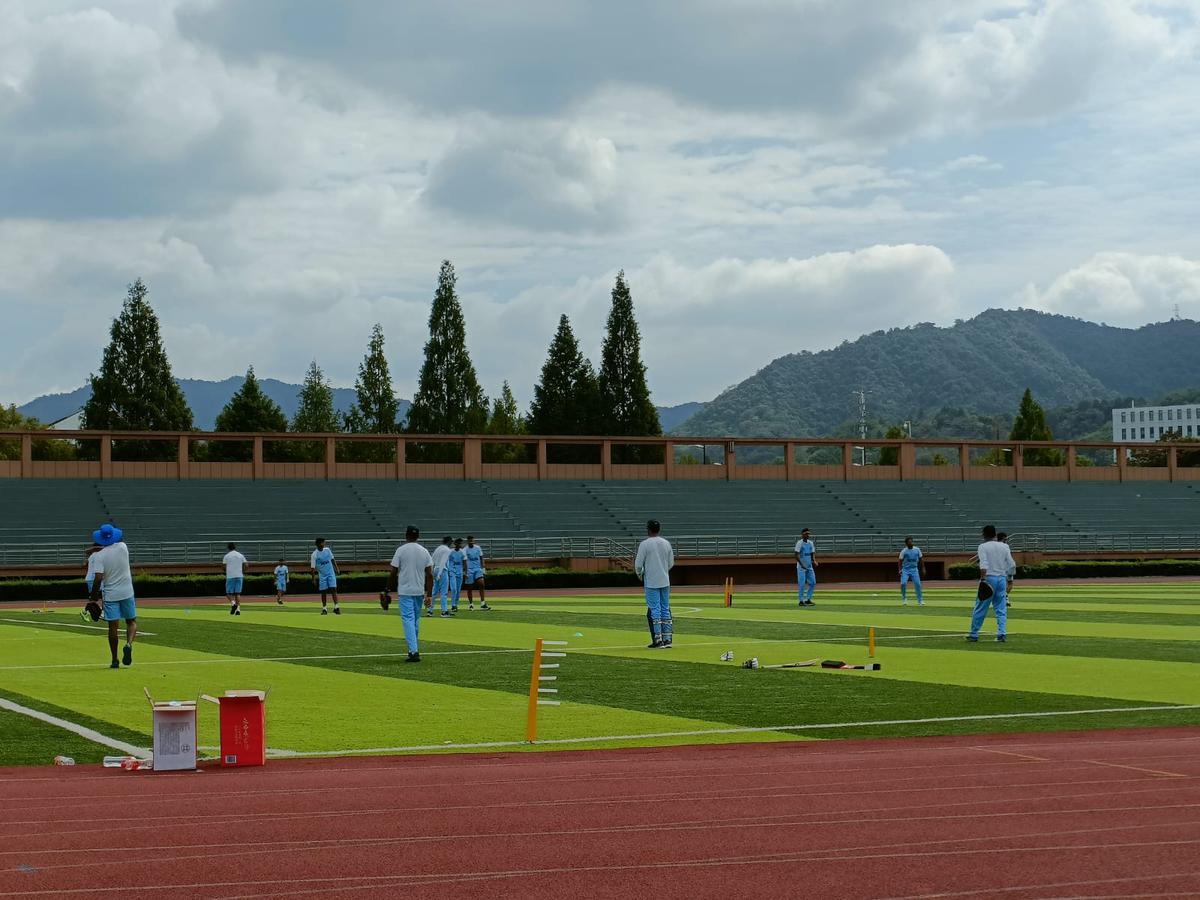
(410,615)
(658,602)
(915,578)
(806,580)
(998,602)
(441,585)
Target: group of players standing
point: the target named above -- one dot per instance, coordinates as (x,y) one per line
(454,567)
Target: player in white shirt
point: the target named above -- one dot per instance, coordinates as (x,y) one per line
(441,574)
(235,571)
(114,583)
(653,565)
(995,559)
(281,581)
(412,575)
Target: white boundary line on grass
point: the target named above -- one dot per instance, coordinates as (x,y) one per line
(71,625)
(265,659)
(84,732)
(740,730)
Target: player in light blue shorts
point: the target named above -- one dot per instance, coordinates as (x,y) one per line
(325,573)
(475,574)
(806,568)
(911,563)
(281,581)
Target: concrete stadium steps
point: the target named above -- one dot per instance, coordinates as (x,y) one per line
(456,508)
(1129,507)
(1001,503)
(557,509)
(901,508)
(50,511)
(728,509)
(169,511)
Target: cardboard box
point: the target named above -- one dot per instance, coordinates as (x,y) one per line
(173,724)
(243,727)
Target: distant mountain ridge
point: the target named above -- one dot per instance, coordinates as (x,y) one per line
(981,365)
(206,398)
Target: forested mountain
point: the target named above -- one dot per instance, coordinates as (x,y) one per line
(961,380)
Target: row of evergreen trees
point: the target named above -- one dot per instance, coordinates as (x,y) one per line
(135,390)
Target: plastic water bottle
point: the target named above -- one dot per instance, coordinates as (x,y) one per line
(116,762)
(131,764)
(63,761)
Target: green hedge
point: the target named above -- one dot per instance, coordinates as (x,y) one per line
(33,589)
(1092,568)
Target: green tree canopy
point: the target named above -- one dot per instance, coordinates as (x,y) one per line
(377,408)
(890,456)
(449,399)
(506,418)
(624,394)
(1030,425)
(566,397)
(12,420)
(315,412)
(249,409)
(135,389)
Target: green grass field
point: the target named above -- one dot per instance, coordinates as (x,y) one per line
(339,684)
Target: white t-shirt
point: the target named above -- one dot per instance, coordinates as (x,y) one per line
(234,562)
(441,555)
(113,563)
(654,561)
(995,558)
(411,559)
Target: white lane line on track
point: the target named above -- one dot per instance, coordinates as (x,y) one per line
(84,732)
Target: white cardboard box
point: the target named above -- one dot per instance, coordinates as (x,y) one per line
(174,728)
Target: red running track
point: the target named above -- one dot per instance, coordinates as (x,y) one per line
(1094,814)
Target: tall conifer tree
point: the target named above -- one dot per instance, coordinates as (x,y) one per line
(135,389)
(315,413)
(566,399)
(1030,425)
(377,408)
(249,409)
(624,395)
(449,399)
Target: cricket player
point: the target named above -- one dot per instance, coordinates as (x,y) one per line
(994,561)
(475,573)
(441,574)
(412,575)
(325,573)
(114,585)
(455,566)
(235,568)
(281,581)
(912,565)
(653,565)
(806,568)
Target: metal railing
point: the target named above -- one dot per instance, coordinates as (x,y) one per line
(374,548)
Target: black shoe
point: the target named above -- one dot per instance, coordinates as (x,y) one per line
(809,603)
(280,602)
(114,665)
(484,606)
(232,607)
(1000,639)
(337,610)
(973,640)
(127,655)
(657,645)
(453,610)
(445,615)
(324,611)
(666,645)
(413,657)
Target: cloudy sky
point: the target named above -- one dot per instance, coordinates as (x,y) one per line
(773,175)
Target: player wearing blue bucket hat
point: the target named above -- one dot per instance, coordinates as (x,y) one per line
(114,584)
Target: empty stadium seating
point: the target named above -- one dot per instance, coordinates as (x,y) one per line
(365,517)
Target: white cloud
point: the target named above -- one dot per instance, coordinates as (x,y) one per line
(1122,289)
(537,178)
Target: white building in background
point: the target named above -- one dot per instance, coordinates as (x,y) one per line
(1146,424)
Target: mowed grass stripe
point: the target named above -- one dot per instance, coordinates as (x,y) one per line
(25,741)
(712,693)
(311,707)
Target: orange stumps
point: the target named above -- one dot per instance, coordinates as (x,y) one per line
(728,592)
(871,641)
(531,718)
